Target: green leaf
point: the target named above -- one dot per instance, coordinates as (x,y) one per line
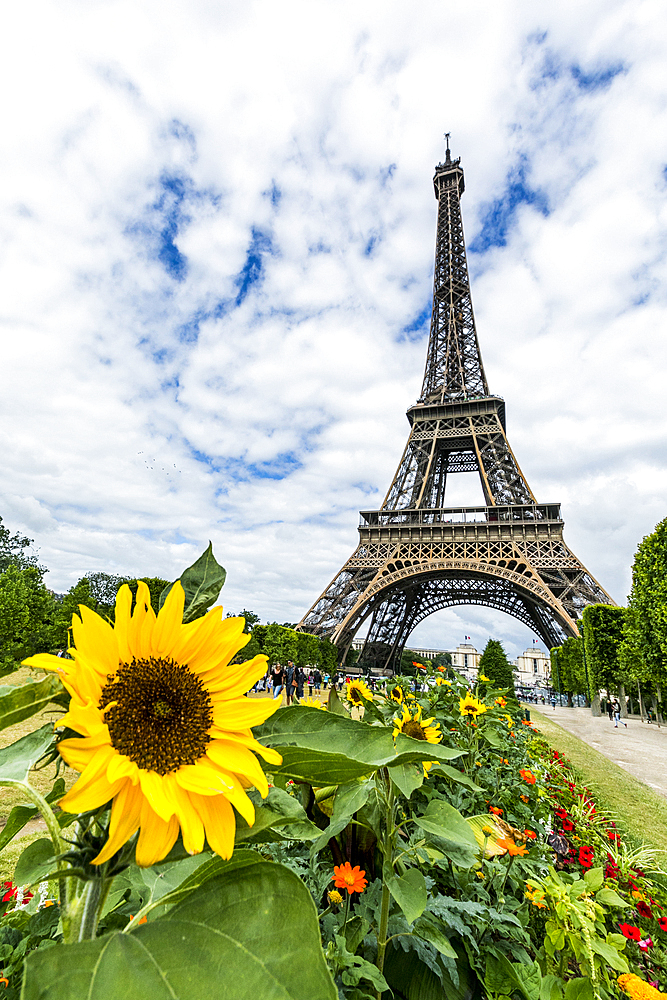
(202,583)
(407,778)
(409,891)
(609,954)
(551,988)
(277,817)
(429,928)
(35,862)
(349,798)
(450,832)
(503,976)
(334,704)
(250,933)
(19,701)
(609,897)
(17,819)
(594,878)
(457,776)
(579,989)
(327,749)
(17,759)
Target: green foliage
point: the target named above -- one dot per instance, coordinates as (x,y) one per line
(280,644)
(603,627)
(21,701)
(202,583)
(646,622)
(79,594)
(251,619)
(408,659)
(26,616)
(308,649)
(493,663)
(567,667)
(227,938)
(14,550)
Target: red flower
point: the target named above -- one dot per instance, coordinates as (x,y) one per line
(495,810)
(663,923)
(530,834)
(643,910)
(568,825)
(630,932)
(528,776)
(645,944)
(586,856)
(561,813)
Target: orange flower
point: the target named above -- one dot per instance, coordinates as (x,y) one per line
(495,810)
(530,834)
(511,848)
(347,877)
(4,981)
(524,798)
(528,776)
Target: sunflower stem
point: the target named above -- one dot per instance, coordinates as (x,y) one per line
(90,907)
(53,827)
(387,868)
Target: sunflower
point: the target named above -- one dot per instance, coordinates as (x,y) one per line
(356,691)
(165,727)
(396,694)
(471,706)
(410,723)
(312,703)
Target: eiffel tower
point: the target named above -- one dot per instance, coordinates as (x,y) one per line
(415,555)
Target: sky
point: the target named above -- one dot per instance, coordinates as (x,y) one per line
(216,262)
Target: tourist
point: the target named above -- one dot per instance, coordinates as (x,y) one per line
(290,681)
(278,677)
(310,684)
(617,716)
(317,678)
(300,681)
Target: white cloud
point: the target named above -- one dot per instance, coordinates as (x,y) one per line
(152,149)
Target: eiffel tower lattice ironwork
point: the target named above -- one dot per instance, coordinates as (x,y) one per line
(415,555)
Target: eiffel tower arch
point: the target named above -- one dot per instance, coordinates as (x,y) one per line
(416,555)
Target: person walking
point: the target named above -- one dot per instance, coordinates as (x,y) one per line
(290,681)
(310,684)
(317,677)
(300,681)
(278,677)
(617,716)
(610,709)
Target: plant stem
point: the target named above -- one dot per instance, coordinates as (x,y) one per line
(53,827)
(382,930)
(387,868)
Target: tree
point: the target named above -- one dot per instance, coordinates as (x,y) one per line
(602,626)
(443,660)
(251,619)
(79,593)
(646,623)
(103,588)
(567,668)
(308,649)
(328,656)
(280,644)
(493,663)
(13,550)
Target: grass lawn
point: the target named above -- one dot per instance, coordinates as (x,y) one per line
(637,809)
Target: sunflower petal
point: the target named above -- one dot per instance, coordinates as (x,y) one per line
(192,827)
(125,817)
(238,797)
(95,640)
(122,622)
(136,636)
(169,621)
(246,739)
(242,713)
(202,778)
(237,759)
(45,661)
(156,838)
(219,822)
(155,792)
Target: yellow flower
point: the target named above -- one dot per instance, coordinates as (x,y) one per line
(356,691)
(471,706)
(312,703)
(480,875)
(482,677)
(410,723)
(334,897)
(396,694)
(536,896)
(165,727)
(638,989)
(508,718)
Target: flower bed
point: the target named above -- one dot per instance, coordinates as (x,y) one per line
(420,841)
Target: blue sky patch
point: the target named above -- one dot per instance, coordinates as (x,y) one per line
(251,271)
(598,79)
(498,215)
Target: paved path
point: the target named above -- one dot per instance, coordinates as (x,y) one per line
(640,749)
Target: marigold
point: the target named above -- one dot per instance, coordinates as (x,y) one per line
(530,834)
(496,810)
(334,897)
(500,701)
(165,726)
(638,989)
(527,776)
(347,877)
(511,847)
(536,897)
(356,691)
(524,798)
(470,706)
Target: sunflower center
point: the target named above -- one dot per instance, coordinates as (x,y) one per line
(413,728)
(159,714)
(354,696)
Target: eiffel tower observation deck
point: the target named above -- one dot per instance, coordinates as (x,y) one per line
(416,555)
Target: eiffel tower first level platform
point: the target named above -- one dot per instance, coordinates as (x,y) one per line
(416,555)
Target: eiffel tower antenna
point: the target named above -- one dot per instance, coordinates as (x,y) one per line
(416,555)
